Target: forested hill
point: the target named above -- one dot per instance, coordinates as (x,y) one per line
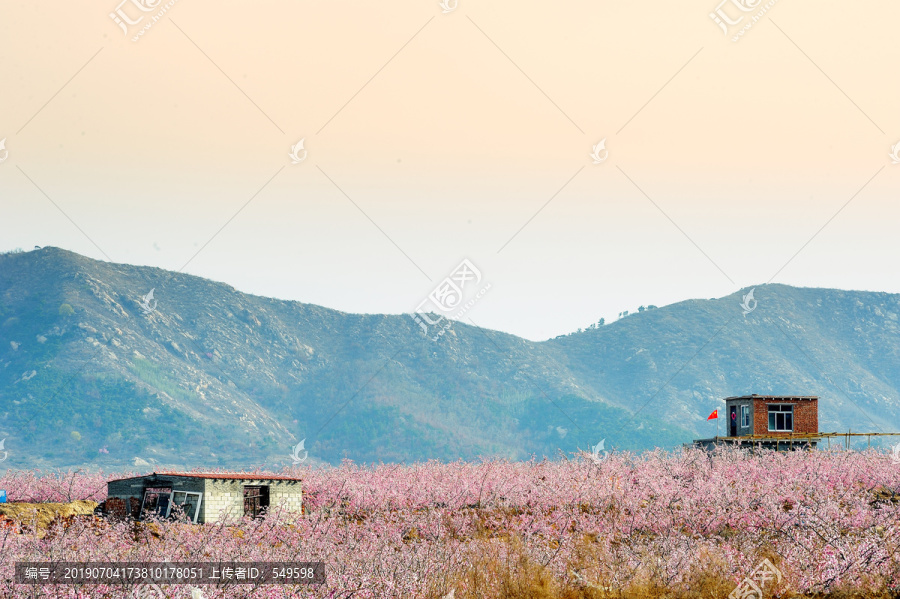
(95,372)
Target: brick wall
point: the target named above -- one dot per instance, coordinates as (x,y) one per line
(288,495)
(806,416)
(115,507)
(226,497)
(222,498)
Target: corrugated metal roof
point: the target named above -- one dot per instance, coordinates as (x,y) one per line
(221,475)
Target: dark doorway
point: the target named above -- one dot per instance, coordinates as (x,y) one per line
(732,422)
(256,500)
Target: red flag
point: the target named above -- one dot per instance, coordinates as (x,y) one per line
(715,414)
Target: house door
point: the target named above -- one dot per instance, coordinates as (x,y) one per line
(732,422)
(256,500)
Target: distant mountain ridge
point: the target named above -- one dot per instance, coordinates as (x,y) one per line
(90,374)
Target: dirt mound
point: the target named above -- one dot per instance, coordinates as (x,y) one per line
(40,515)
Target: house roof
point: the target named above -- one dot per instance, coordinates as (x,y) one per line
(776,397)
(219,475)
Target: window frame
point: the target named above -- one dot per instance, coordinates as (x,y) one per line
(185,493)
(158,492)
(783,412)
(745,416)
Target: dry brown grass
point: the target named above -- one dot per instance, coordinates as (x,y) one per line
(502,567)
(38,516)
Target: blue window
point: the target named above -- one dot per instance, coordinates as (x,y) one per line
(781,418)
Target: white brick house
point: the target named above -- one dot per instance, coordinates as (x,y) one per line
(204,496)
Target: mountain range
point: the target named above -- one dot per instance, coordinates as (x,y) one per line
(97,371)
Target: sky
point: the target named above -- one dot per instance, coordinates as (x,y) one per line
(433,134)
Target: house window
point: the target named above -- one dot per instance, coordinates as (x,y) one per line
(781,418)
(745,416)
(156,501)
(189,502)
(256,500)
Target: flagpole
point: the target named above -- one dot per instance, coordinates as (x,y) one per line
(710,417)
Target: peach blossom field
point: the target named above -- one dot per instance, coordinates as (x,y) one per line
(658,524)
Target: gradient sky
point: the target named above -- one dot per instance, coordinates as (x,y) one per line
(435,137)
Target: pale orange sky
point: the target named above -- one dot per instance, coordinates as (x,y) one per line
(449,132)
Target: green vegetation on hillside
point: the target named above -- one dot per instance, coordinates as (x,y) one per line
(213,376)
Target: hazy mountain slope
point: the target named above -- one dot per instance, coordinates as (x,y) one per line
(213,376)
(841,345)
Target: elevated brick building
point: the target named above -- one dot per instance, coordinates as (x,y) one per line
(772,415)
(770,421)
